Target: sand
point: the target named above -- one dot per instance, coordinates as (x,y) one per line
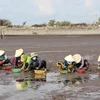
(52,31)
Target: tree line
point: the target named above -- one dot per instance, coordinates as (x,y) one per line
(5,22)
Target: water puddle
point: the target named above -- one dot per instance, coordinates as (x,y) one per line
(93,76)
(39,86)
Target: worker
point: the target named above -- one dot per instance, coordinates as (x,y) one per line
(3,58)
(26,60)
(68,64)
(36,62)
(16,61)
(81,63)
(98,65)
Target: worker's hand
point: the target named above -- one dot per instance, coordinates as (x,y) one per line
(80,68)
(26,70)
(37,68)
(22,69)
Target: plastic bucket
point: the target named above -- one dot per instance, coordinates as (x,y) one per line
(16,70)
(63,71)
(1,62)
(39,72)
(7,68)
(81,71)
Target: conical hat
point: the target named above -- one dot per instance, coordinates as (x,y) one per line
(18,52)
(77,58)
(33,54)
(99,58)
(69,58)
(2,52)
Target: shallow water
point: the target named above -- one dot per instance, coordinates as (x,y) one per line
(42,90)
(54,86)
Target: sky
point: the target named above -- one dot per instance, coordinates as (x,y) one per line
(41,11)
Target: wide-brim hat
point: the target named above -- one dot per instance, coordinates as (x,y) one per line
(99,58)
(18,52)
(69,58)
(77,57)
(2,52)
(33,54)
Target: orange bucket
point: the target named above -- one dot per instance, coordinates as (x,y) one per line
(81,71)
(7,68)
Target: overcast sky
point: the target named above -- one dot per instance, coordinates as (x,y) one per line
(41,11)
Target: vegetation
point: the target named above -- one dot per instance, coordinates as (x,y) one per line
(4,22)
(51,23)
(58,23)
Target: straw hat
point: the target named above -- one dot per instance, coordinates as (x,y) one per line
(2,52)
(77,58)
(99,58)
(18,52)
(69,58)
(33,54)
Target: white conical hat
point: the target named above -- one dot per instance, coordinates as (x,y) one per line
(99,58)
(18,52)
(33,54)
(2,52)
(69,58)
(77,58)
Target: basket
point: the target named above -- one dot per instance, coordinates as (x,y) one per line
(7,68)
(63,71)
(36,76)
(81,71)
(39,72)
(16,70)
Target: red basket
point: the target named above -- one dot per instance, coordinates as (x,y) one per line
(1,62)
(7,68)
(81,71)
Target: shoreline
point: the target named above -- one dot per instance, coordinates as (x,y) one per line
(52,32)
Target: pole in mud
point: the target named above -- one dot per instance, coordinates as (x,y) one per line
(1,34)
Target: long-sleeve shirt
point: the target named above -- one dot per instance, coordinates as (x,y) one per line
(82,63)
(3,57)
(37,61)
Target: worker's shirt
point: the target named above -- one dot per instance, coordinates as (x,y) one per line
(3,57)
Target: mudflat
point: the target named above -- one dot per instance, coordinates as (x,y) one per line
(53,48)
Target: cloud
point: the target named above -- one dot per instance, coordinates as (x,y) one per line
(45,7)
(89,3)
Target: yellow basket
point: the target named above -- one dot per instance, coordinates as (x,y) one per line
(36,76)
(59,65)
(40,72)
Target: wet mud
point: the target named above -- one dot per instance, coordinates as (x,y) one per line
(53,85)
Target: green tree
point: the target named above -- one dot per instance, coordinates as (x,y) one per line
(58,23)
(51,22)
(65,23)
(4,22)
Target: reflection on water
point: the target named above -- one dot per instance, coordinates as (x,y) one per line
(93,76)
(38,86)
